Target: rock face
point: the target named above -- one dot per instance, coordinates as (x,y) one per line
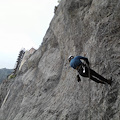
(46,87)
(26,56)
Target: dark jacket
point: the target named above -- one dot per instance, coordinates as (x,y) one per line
(76,61)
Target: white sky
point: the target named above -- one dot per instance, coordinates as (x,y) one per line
(23,24)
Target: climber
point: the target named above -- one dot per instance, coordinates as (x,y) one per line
(81,64)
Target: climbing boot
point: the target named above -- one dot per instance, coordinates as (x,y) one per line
(110,81)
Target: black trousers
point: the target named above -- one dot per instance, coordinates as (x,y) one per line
(92,74)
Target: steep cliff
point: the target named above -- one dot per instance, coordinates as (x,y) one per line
(46,87)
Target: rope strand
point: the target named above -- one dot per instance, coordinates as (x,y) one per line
(89,90)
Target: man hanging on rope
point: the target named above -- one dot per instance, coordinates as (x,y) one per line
(84,70)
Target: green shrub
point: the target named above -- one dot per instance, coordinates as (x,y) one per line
(12,76)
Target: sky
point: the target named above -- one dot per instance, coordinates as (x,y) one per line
(23,24)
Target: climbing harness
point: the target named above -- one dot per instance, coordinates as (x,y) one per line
(83,68)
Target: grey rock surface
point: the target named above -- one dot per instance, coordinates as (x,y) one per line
(46,87)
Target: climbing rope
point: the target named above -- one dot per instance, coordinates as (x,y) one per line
(89,90)
(88,67)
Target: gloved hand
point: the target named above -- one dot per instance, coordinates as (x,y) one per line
(78,78)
